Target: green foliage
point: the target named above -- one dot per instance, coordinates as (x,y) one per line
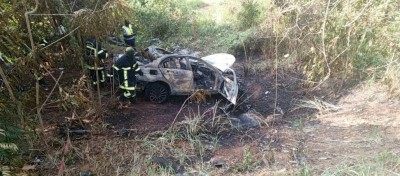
(304,171)
(5,171)
(188,5)
(249,15)
(9,137)
(7,146)
(159,19)
(248,163)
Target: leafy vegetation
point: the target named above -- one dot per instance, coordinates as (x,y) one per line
(6,147)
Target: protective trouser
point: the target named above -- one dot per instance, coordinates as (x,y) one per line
(101,55)
(125,95)
(102,76)
(130,41)
(127,85)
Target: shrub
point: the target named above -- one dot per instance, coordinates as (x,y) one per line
(249,15)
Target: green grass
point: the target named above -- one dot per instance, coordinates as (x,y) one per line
(249,161)
(190,4)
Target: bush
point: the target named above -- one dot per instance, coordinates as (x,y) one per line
(249,15)
(160,19)
(10,133)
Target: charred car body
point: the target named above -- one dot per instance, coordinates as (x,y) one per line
(181,74)
(176,74)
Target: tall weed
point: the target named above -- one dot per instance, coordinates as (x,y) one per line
(159,19)
(392,78)
(335,39)
(249,15)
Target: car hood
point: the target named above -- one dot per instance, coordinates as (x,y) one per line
(222,61)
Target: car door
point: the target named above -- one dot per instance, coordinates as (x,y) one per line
(209,77)
(176,71)
(229,87)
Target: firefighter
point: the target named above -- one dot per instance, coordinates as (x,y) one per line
(43,43)
(126,67)
(91,60)
(129,36)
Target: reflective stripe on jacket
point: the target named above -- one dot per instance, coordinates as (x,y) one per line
(127,67)
(91,51)
(127,31)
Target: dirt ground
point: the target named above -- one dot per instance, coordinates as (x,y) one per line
(365,125)
(360,126)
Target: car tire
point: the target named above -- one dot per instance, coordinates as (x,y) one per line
(157,92)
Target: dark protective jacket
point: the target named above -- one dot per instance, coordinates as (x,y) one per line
(90,52)
(126,67)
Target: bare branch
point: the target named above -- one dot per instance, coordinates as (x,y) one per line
(28,25)
(60,38)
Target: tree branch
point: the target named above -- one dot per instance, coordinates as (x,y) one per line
(28,25)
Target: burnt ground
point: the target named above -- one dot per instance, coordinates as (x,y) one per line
(291,142)
(258,95)
(145,117)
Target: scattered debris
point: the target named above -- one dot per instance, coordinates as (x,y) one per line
(184,174)
(163,162)
(247,120)
(86,173)
(324,158)
(73,127)
(279,109)
(37,161)
(221,165)
(124,132)
(186,51)
(28,167)
(211,145)
(218,163)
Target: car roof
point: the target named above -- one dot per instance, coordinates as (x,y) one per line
(158,60)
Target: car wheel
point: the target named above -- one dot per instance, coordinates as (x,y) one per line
(157,92)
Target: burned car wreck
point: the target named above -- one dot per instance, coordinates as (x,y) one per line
(180,74)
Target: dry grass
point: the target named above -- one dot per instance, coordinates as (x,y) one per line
(321,106)
(327,39)
(99,22)
(185,144)
(391,78)
(200,96)
(366,104)
(383,163)
(360,138)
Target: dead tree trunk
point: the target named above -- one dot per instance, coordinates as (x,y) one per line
(33,49)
